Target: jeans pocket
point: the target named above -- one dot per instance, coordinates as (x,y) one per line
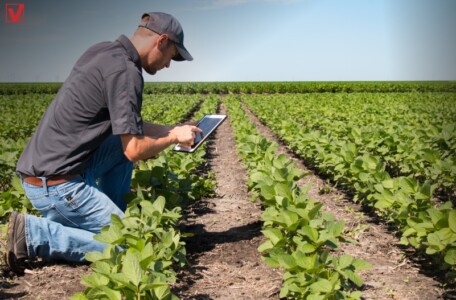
(75,198)
(71,194)
(48,206)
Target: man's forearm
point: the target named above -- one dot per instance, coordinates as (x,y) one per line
(145,147)
(156,139)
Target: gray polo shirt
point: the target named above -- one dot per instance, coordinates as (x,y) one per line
(101,96)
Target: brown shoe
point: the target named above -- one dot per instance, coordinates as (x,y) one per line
(16,248)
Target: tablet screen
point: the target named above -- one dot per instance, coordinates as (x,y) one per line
(207,124)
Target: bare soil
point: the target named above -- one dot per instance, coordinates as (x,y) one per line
(224,261)
(45,281)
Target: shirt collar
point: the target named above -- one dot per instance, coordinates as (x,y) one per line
(131,50)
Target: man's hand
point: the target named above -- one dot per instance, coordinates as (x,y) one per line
(144,147)
(185,135)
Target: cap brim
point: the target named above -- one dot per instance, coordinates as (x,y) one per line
(183,54)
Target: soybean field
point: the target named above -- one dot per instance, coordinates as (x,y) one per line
(309,190)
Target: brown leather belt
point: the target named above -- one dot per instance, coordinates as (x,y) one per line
(54,180)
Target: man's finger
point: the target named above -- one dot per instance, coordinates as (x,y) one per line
(196,129)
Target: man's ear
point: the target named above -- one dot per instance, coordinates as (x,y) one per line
(163,39)
(162,42)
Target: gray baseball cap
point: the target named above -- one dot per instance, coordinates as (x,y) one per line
(162,23)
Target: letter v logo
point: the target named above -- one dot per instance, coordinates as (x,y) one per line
(14,12)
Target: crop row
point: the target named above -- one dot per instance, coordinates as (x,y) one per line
(144,248)
(254,87)
(404,200)
(414,134)
(20,116)
(300,237)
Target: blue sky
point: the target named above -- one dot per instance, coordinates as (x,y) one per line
(246,40)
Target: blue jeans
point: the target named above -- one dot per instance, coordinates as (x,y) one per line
(76,210)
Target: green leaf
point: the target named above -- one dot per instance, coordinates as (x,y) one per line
(282,189)
(287,261)
(426,190)
(356,295)
(273,263)
(450,257)
(116,221)
(363,176)
(274,234)
(383,202)
(321,286)
(404,241)
(409,232)
(370,161)
(433,239)
(284,292)
(112,294)
(131,267)
(388,184)
(438,240)
(408,185)
(361,264)
(154,285)
(94,256)
(267,192)
(452,220)
(315,210)
(122,280)
(257,177)
(306,262)
(159,204)
(277,175)
(101,267)
(290,218)
(309,232)
(79,296)
(162,292)
(337,228)
(95,280)
(306,248)
(17,185)
(435,215)
(354,278)
(111,235)
(379,188)
(316,297)
(345,261)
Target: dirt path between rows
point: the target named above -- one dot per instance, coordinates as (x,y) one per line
(224,261)
(49,282)
(393,275)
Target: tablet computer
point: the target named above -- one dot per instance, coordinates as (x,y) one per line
(207,124)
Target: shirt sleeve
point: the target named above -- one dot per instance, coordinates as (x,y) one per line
(123,90)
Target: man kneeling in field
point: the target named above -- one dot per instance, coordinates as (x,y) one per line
(78,164)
